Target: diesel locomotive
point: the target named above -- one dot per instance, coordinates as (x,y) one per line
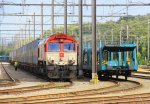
(54,57)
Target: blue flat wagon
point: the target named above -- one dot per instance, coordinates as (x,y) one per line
(120,59)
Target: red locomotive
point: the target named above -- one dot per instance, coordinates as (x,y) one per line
(55,57)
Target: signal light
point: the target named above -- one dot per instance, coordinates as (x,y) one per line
(51,60)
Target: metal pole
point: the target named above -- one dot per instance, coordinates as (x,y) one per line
(29,31)
(120,36)
(80,38)
(127,28)
(94,51)
(41,20)
(21,36)
(2,44)
(65,16)
(127,39)
(13,43)
(25,35)
(20,40)
(127,32)
(112,35)
(34,26)
(148,41)
(52,16)
(137,44)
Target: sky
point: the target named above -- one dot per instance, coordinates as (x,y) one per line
(109,11)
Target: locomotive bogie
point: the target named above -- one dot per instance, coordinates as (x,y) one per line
(61,71)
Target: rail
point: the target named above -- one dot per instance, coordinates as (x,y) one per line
(11,78)
(141,77)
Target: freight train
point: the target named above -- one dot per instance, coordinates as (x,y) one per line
(54,57)
(118,59)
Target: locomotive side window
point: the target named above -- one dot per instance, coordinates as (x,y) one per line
(54,47)
(69,47)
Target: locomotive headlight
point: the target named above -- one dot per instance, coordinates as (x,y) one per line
(51,60)
(71,60)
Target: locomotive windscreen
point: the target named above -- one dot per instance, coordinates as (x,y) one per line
(54,47)
(69,46)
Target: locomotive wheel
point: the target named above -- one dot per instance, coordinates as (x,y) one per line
(72,73)
(126,77)
(41,71)
(126,74)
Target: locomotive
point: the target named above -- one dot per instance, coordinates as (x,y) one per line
(54,57)
(118,59)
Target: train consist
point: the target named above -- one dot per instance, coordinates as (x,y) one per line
(55,57)
(116,60)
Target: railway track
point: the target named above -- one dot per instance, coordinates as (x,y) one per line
(67,97)
(140,76)
(141,72)
(132,99)
(35,88)
(129,99)
(7,82)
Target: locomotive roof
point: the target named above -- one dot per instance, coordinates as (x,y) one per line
(61,36)
(57,36)
(119,48)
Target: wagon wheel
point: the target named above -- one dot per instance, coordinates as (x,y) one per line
(117,74)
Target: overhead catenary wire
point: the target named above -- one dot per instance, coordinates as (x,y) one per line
(87,5)
(34,4)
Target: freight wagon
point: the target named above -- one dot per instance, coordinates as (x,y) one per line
(119,59)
